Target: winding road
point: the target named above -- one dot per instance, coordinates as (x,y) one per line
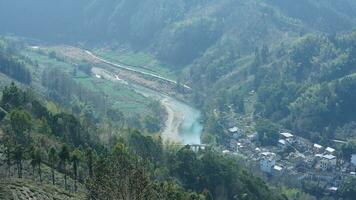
(136,71)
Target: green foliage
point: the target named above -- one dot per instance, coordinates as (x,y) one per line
(347,189)
(267,132)
(348,149)
(12,97)
(13,67)
(21,124)
(145,146)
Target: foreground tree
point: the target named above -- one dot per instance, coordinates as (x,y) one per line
(18,157)
(119,176)
(75,158)
(64,158)
(8,157)
(20,123)
(38,161)
(52,157)
(89,159)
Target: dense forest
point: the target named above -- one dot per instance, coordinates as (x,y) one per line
(12,66)
(306,87)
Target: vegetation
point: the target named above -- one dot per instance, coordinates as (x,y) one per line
(262,65)
(137,166)
(13,66)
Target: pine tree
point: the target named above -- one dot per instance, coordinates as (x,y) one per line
(52,157)
(64,157)
(75,158)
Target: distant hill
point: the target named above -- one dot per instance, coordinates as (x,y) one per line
(178,31)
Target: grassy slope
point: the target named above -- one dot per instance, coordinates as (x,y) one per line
(138,60)
(20,189)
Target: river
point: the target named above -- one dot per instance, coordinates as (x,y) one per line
(183,121)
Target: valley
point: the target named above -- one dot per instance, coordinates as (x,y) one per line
(183,99)
(182,124)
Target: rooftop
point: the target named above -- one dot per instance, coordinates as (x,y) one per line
(233,129)
(329,149)
(319,155)
(226,151)
(281,141)
(287,135)
(318,146)
(278,168)
(329,157)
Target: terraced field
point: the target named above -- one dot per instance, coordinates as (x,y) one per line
(16,189)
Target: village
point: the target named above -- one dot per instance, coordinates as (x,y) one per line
(294,159)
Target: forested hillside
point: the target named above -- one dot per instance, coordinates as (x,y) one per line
(11,65)
(59,149)
(306,87)
(178,31)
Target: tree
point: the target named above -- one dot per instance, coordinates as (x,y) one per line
(8,150)
(52,157)
(89,157)
(119,175)
(75,158)
(33,159)
(64,158)
(267,132)
(348,149)
(20,123)
(38,161)
(348,189)
(18,157)
(11,97)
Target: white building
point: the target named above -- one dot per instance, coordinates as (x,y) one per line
(288,137)
(318,148)
(282,144)
(330,150)
(277,170)
(267,162)
(233,129)
(235,132)
(328,162)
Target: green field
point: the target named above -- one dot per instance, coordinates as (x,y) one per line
(120,96)
(138,60)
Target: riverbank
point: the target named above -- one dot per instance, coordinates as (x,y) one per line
(182,124)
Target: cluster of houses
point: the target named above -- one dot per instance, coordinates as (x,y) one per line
(292,155)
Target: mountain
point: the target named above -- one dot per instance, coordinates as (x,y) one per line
(178,31)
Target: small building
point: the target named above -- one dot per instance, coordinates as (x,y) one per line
(197,147)
(226,152)
(318,148)
(267,161)
(277,170)
(235,132)
(282,144)
(233,129)
(330,150)
(288,137)
(328,162)
(353,159)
